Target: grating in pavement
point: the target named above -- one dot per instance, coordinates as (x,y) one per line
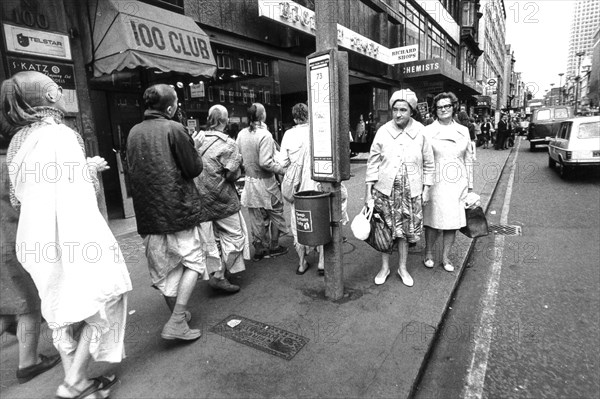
(504,229)
(261,336)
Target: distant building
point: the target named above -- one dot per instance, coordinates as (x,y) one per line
(490,66)
(585,22)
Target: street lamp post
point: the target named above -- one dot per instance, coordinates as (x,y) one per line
(552,94)
(577,80)
(560,100)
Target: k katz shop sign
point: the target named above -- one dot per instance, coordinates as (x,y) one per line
(37,42)
(59,72)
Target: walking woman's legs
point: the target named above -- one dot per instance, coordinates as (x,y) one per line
(402,257)
(431,236)
(449,237)
(385,268)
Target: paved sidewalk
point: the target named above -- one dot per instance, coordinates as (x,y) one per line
(371,344)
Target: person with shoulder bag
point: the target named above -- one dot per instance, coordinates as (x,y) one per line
(399,174)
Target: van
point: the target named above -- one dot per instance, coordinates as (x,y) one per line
(575,146)
(545,122)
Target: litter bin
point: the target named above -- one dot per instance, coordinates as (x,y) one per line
(312,217)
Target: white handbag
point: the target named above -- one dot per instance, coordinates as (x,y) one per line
(361,224)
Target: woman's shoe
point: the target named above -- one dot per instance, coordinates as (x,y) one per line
(380,280)
(428,262)
(407,281)
(301,272)
(448,267)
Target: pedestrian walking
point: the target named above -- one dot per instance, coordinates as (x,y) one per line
(486,131)
(503,133)
(83,294)
(445,211)
(261,193)
(295,150)
(163,162)
(398,179)
(220,205)
(20,312)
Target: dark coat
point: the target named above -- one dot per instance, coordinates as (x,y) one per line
(163,163)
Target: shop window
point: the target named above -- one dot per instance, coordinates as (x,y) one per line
(252,96)
(244,96)
(266,68)
(261,97)
(249,65)
(267,97)
(221,95)
(210,94)
(259,68)
(231,96)
(242,65)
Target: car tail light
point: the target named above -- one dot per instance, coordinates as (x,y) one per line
(569,154)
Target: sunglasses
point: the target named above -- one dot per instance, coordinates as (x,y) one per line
(445,107)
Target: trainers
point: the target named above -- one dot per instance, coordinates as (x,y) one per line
(177,328)
(275,252)
(222,284)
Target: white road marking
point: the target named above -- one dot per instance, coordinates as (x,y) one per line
(479,360)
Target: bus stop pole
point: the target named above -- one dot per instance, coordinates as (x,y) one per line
(326,15)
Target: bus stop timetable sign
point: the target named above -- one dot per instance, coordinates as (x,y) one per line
(320,117)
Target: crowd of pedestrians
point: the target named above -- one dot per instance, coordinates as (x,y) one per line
(188,212)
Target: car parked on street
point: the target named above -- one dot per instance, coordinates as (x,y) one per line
(545,122)
(576,145)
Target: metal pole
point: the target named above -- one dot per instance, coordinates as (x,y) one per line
(560,96)
(326,15)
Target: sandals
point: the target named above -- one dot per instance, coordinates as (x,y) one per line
(100,385)
(301,272)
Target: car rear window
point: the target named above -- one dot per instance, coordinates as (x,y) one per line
(561,113)
(543,115)
(589,130)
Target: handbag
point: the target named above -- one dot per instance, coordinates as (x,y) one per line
(477,225)
(361,224)
(380,236)
(293,177)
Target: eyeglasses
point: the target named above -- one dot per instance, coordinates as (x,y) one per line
(399,110)
(445,107)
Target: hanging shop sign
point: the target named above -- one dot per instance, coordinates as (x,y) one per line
(37,42)
(400,55)
(63,74)
(301,18)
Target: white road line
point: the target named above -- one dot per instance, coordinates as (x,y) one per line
(476,374)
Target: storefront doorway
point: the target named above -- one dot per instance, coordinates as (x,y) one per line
(116,113)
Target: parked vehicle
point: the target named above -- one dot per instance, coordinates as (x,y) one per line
(545,122)
(576,145)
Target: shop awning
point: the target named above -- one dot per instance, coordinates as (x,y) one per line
(130,34)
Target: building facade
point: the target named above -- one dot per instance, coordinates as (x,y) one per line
(234,53)
(585,22)
(491,65)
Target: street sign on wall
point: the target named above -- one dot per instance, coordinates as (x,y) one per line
(37,42)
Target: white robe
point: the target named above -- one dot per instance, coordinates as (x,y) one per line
(62,239)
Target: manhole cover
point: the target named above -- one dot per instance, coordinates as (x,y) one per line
(504,229)
(261,336)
